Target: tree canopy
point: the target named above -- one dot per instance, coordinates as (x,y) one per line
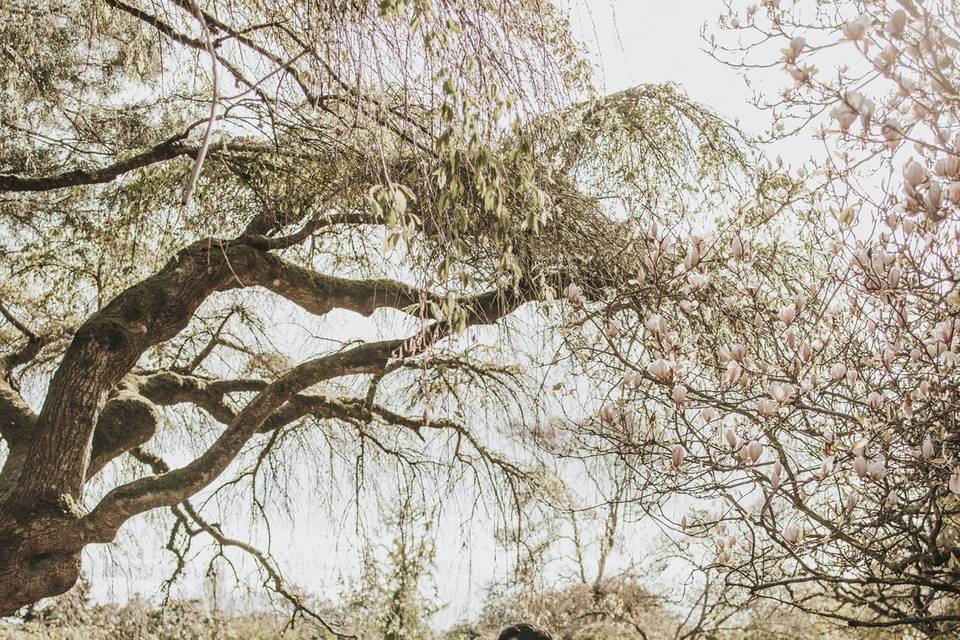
(163,160)
(196,197)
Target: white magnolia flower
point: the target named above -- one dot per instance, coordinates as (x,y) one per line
(609,413)
(897,23)
(947,167)
(892,133)
(740,246)
(791,339)
(893,277)
(775,478)
(851,503)
(766,407)
(679,393)
(692,258)
(734,371)
(791,533)
(856,29)
(781,392)
(877,468)
(738,352)
(891,501)
(794,49)
(697,281)
(952,193)
(826,467)
(656,325)
(844,115)
(943,331)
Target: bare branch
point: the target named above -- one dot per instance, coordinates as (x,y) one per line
(169,488)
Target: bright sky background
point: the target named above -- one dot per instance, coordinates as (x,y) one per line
(633,42)
(643,41)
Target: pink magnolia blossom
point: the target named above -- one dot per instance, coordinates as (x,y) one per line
(860,467)
(787,314)
(954,482)
(677,456)
(679,393)
(660,369)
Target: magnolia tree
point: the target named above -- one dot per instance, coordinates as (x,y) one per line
(789,410)
(188,189)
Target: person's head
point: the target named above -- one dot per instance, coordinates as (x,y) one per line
(524,631)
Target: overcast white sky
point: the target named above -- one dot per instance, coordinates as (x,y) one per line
(643,41)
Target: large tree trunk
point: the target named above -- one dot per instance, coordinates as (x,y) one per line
(41,528)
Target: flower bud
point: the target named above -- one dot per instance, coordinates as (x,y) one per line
(897,23)
(838,371)
(877,468)
(679,453)
(860,467)
(734,371)
(609,413)
(826,467)
(954,482)
(947,167)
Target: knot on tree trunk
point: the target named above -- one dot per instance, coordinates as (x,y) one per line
(26,579)
(39,550)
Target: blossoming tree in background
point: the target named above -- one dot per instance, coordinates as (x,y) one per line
(793,405)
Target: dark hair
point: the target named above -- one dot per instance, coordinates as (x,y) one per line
(524,631)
